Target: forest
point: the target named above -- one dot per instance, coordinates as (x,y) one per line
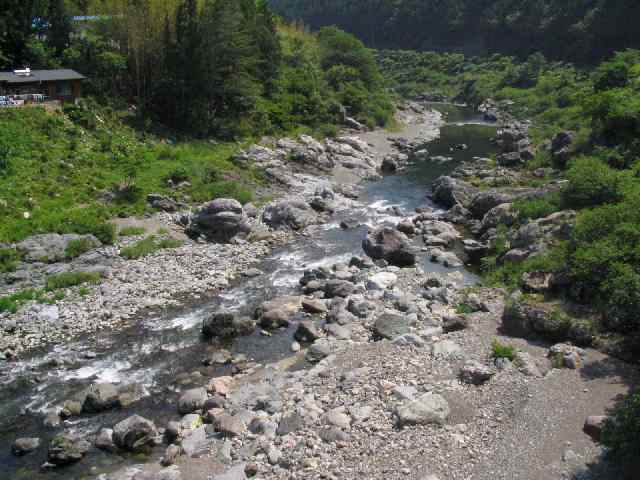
(577,30)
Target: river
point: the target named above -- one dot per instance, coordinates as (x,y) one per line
(155,356)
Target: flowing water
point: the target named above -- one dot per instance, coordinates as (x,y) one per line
(153,357)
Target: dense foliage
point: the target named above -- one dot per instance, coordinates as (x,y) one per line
(209,67)
(580,30)
(621,433)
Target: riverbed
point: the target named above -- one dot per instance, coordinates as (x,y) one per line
(155,356)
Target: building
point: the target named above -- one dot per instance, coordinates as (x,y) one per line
(63,85)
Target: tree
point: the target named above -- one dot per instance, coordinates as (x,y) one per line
(59,26)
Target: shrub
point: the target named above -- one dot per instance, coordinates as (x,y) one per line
(531,209)
(132,231)
(75,248)
(591,183)
(11,303)
(621,434)
(501,350)
(464,309)
(9,259)
(148,246)
(71,279)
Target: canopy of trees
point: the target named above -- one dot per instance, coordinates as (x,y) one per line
(202,67)
(581,30)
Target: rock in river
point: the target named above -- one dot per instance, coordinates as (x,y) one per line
(391,245)
(65,450)
(134,434)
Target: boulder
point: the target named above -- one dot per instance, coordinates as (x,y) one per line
(475,373)
(448,192)
(192,400)
(289,214)
(220,220)
(390,326)
(391,245)
(593,426)
(226,324)
(483,202)
(65,450)
(448,259)
(563,147)
(307,332)
(338,288)
(314,305)
(389,164)
(25,445)
(523,317)
(100,397)
(134,434)
(51,247)
(428,409)
(162,202)
(454,323)
(382,281)
(104,440)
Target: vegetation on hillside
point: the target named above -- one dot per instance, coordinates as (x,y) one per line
(579,30)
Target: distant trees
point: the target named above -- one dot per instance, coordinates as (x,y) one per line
(579,30)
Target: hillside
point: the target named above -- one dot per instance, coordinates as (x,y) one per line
(580,31)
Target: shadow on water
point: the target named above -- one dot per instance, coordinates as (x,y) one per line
(157,355)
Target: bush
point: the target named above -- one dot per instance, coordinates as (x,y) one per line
(532,209)
(148,246)
(11,303)
(591,183)
(9,259)
(500,350)
(132,231)
(621,434)
(75,248)
(71,279)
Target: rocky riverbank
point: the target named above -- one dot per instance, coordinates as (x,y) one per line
(395,372)
(310,179)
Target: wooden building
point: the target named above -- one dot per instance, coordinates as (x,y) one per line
(63,85)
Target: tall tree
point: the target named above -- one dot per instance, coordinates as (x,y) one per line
(59,26)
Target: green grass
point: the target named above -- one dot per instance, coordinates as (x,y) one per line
(501,350)
(75,248)
(148,246)
(73,177)
(11,303)
(464,309)
(132,231)
(71,279)
(9,259)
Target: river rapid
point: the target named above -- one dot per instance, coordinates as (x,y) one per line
(155,357)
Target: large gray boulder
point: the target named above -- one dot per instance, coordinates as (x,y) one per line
(51,247)
(483,202)
(100,397)
(134,434)
(524,317)
(449,191)
(390,326)
(430,408)
(226,324)
(192,400)
(289,214)
(220,220)
(391,245)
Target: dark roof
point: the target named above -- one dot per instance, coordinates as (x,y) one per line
(41,76)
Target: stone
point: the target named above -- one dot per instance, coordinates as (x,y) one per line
(338,418)
(593,426)
(104,440)
(192,400)
(65,450)
(338,288)
(567,356)
(289,214)
(100,397)
(391,245)
(171,455)
(334,435)
(527,365)
(390,326)
(318,350)
(307,332)
(230,425)
(448,192)
(523,317)
(220,220)
(382,281)
(25,445)
(475,373)
(162,202)
(234,473)
(290,424)
(313,305)
(454,323)
(338,331)
(220,386)
(430,408)
(134,434)
(389,164)
(51,247)
(447,349)
(194,442)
